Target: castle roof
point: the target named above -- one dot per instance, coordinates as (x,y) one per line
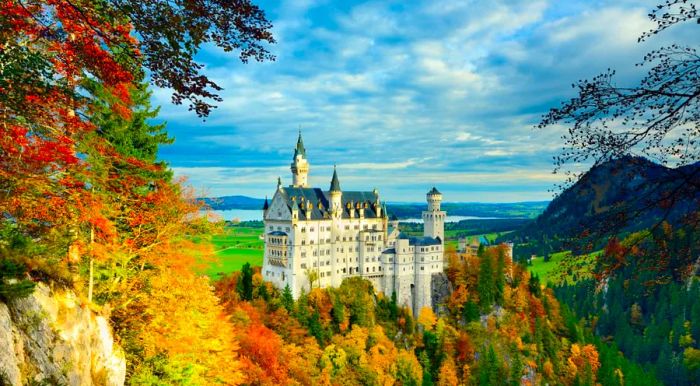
(266,205)
(317,202)
(434,191)
(335,184)
(300,150)
(420,240)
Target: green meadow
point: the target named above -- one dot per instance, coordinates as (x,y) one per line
(553,271)
(234,247)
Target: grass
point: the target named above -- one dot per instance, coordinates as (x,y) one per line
(552,271)
(233,248)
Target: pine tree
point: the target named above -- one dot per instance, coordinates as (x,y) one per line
(500,276)
(516,369)
(287,299)
(485,284)
(244,287)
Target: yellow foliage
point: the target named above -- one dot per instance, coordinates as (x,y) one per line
(448,373)
(427,318)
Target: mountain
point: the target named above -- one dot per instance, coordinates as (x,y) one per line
(234,202)
(405,210)
(477,209)
(626,194)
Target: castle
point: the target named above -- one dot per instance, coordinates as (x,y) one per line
(316,237)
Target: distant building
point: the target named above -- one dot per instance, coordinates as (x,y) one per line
(329,235)
(469,246)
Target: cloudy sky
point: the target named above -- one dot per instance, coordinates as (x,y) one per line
(404,95)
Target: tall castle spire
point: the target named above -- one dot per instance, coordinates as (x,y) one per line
(300,150)
(336,196)
(300,165)
(335,184)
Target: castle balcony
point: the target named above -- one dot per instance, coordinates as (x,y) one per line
(278,261)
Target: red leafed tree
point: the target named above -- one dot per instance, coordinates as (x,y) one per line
(51,53)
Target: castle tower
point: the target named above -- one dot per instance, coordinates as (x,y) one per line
(434,218)
(300,166)
(336,196)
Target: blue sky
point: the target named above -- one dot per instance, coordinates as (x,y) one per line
(404,95)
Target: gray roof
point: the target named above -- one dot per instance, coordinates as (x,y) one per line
(390,250)
(318,202)
(434,191)
(277,233)
(420,240)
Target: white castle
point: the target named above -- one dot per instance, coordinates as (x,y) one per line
(327,236)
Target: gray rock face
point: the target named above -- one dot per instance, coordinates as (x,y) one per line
(440,288)
(51,338)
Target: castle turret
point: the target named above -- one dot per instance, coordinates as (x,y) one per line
(300,165)
(266,206)
(434,218)
(336,196)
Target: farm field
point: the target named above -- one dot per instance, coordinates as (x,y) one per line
(233,248)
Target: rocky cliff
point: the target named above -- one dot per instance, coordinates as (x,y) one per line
(49,338)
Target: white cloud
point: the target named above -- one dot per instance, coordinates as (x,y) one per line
(426,92)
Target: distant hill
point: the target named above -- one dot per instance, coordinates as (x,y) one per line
(476,209)
(626,194)
(234,202)
(410,210)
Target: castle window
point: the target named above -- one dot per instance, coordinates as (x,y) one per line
(343,270)
(303,229)
(367,269)
(311,241)
(422,268)
(311,229)
(303,242)
(357,227)
(347,227)
(303,254)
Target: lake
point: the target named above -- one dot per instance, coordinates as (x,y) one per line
(256,215)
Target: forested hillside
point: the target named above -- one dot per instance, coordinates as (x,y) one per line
(648,302)
(498,327)
(621,194)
